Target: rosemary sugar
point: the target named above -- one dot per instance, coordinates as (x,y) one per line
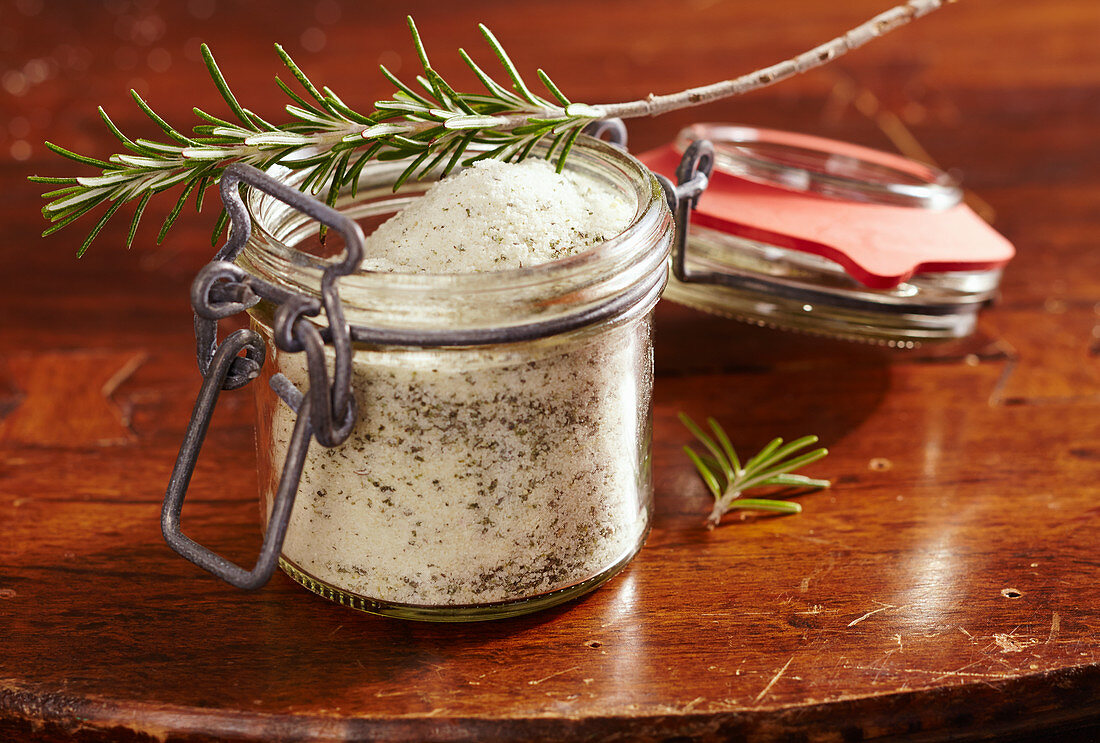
(496,216)
(483,474)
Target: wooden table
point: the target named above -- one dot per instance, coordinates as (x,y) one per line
(945,587)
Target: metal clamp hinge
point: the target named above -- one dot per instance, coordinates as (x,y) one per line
(692,178)
(326,411)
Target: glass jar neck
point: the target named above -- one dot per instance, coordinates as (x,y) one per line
(612,278)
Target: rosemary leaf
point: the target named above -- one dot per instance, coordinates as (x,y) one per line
(300,76)
(69,218)
(763,453)
(796,481)
(472,121)
(99,226)
(727,447)
(708,442)
(83,160)
(201,192)
(758,504)
(407,173)
(496,90)
(550,86)
(219,226)
(403,88)
(704,472)
(156,119)
(126,141)
(289,92)
(506,62)
(223,87)
(137,218)
(50,179)
(567,147)
(172,215)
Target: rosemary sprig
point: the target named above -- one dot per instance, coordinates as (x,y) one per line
(428,124)
(727,478)
(430,127)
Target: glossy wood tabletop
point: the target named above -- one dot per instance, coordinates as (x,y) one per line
(945,587)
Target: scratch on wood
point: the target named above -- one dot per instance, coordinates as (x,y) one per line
(536,682)
(1008,644)
(821,570)
(996,395)
(56,385)
(963,630)
(1055,628)
(854,622)
(958,671)
(943,674)
(124,373)
(693,704)
(776,677)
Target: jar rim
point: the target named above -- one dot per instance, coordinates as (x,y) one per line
(567,286)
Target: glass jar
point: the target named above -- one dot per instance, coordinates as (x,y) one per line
(811,234)
(500,470)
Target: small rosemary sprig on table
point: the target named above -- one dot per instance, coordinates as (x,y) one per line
(727,478)
(429,124)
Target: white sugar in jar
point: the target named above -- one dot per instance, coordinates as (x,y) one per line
(504,466)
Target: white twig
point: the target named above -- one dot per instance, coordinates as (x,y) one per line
(881,24)
(653,105)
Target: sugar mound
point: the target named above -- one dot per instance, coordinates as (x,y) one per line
(495,216)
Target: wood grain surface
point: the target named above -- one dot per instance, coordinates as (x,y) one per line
(944,588)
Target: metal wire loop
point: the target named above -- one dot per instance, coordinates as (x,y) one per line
(293,308)
(224,359)
(220,290)
(693,172)
(242,369)
(612,131)
(332,421)
(693,176)
(286,320)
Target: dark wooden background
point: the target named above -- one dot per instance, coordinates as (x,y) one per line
(945,587)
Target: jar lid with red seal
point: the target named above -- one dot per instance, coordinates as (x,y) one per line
(812,234)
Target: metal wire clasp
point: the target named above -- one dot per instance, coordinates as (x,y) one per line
(692,177)
(326,411)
